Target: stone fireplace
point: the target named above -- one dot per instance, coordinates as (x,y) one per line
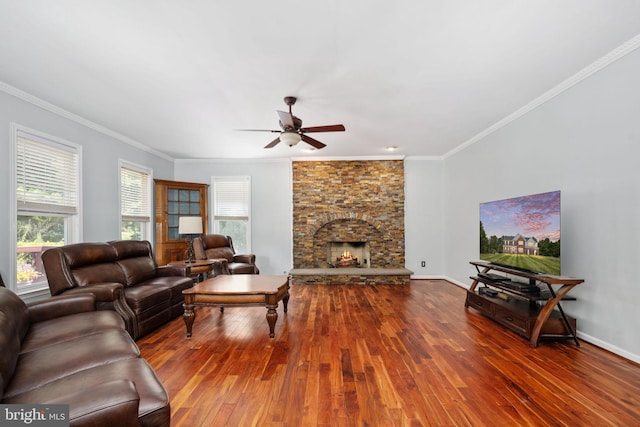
(353,206)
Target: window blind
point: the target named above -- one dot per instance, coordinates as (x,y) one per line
(46,175)
(134,195)
(231,198)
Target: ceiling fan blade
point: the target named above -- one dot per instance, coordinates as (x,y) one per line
(286,119)
(258,130)
(272,143)
(313,142)
(329,128)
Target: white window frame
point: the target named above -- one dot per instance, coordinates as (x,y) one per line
(146,230)
(73,222)
(215,218)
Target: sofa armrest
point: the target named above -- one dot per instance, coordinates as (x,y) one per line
(172,270)
(104,292)
(112,403)
(60,305)
(110,295)
(246,258)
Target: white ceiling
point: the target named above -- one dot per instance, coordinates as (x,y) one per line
(182,76)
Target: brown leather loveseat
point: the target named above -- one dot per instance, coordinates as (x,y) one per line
(124,276)
(62,350)
(217,246)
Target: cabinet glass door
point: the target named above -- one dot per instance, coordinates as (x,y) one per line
(180,202)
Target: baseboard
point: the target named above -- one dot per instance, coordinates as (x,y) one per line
(609,347)
(428,277)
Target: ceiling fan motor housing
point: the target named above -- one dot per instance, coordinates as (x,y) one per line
(297,124)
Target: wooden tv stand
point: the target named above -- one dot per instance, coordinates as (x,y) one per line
(532,315)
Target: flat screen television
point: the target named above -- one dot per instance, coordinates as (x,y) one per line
(522,232)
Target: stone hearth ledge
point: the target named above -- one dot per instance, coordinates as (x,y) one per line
(362,276)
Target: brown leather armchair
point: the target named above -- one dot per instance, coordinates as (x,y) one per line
(217,246)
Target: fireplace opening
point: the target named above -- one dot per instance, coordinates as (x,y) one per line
(348,254)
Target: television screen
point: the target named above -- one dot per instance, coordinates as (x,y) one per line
(522,232)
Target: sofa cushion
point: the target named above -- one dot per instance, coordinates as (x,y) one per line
(175,285)
(131,248)
(215,241)
(70,327)
(215,246)
(80,264)
(9,350)
(16,311)
(44,365)
(153,410)
(108,272)
(241,268)
(113,403)
(223,252)
(136,270)
(82,254)
(135,259)
(142,298)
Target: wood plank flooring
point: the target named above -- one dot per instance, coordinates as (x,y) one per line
(383,356)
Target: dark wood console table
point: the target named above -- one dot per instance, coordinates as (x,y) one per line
(532,315)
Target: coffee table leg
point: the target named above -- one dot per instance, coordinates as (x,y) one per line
(272,316)
(285,301)
(189,316)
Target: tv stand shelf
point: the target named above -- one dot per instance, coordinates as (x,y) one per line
(532,313)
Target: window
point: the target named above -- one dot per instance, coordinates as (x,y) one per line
(135,202)
(47,200)
(231,207)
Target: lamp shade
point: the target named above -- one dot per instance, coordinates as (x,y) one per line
(190,225)
(290,138)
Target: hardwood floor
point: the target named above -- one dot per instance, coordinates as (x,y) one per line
(383,356)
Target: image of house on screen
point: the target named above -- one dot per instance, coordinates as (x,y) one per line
(520,245)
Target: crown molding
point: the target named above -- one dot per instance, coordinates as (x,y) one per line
(47,106)
(429,158)
(233,160)
(586,72)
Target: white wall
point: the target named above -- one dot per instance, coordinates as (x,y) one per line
(100,192)
(586,143)
(424,219)
(271,211)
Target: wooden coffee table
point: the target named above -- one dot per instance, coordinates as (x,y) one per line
(239,290)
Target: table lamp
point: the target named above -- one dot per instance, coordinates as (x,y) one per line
(190,225)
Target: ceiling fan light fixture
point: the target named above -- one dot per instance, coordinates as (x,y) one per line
(290,138)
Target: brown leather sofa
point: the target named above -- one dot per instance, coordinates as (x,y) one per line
(62,350)
(217,246)
(124,276)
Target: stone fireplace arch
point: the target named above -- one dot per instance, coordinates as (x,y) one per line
(349,228)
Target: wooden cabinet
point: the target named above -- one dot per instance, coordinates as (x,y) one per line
(173,200)
(534,315)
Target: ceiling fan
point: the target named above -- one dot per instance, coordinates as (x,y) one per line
(292,131)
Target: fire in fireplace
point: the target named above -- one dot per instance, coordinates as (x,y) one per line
(348,254)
